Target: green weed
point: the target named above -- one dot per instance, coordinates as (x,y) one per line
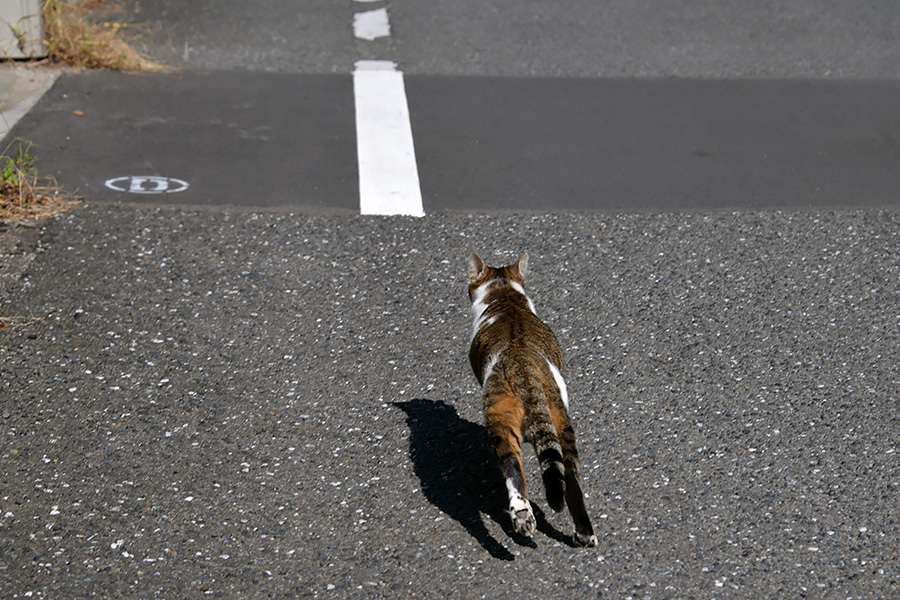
(21,195)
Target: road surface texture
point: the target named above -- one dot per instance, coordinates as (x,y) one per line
(270,398)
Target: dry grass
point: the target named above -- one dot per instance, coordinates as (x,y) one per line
(34,202)
(13,322)
(73,39)
(22,194)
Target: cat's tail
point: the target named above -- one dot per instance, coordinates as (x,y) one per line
(548,449)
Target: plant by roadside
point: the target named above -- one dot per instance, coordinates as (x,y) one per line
(73,39)
(22,195)
(24,202)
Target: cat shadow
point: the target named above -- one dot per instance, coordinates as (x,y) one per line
(459,474)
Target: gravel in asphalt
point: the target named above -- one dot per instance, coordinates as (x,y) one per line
(274,405)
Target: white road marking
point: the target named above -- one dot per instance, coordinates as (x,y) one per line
(388,176)
(147,184)
(371,24)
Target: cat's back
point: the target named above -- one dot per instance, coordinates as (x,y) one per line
(509,325)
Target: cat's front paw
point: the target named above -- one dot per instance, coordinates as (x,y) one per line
(523,521)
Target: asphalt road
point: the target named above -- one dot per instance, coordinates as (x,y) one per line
(527,107)
(282,140)
(255,405)
(242,401)
(576,38)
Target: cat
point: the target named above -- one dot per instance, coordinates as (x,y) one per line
(518,362)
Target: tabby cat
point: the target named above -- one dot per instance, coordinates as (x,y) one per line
(517,360)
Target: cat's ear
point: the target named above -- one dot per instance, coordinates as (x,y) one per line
(476,266)
(522,265)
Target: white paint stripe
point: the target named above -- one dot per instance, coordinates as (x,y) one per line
(388,177)
(371,24)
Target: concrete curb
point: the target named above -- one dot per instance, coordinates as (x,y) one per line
(20,89)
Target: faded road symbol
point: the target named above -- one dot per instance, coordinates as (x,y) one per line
(146,184)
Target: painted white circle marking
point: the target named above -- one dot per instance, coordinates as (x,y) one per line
(146,184)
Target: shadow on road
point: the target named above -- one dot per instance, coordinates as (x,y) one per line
(453,460)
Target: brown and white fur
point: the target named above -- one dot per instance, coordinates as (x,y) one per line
(517,360)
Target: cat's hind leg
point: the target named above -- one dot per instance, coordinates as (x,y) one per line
(504,414)
(584,531)
(519,507)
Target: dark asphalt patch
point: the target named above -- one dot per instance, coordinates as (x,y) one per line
(235,138)
(482,143)
(555,145)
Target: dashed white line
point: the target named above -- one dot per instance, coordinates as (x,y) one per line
(371,24)
(388,176)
